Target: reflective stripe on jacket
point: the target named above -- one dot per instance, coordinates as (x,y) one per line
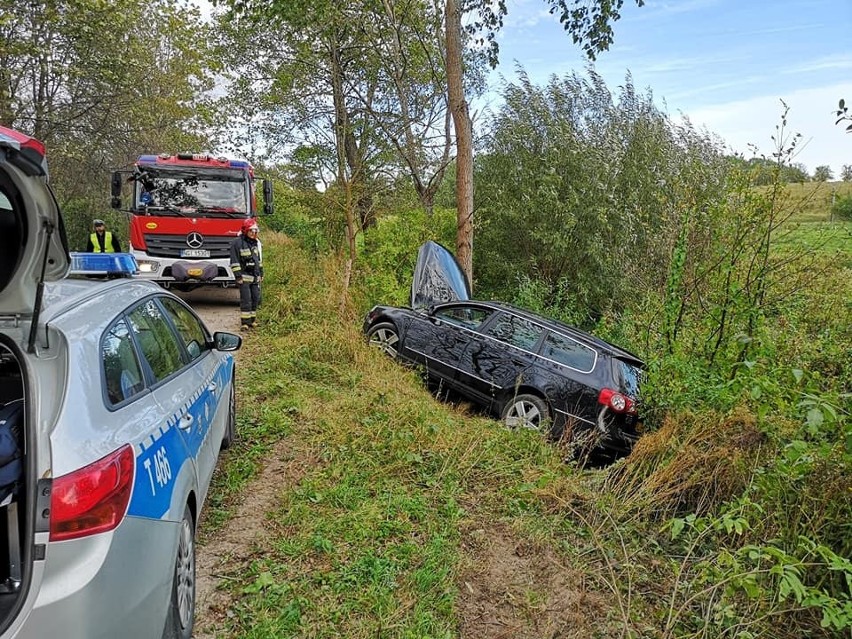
(246,260)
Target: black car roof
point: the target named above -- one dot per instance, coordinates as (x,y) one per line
(562,327)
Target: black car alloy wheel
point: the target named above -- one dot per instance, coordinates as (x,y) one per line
(384,337)
(526,411)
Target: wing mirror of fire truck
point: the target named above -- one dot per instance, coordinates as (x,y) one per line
(115,189)
(267,197)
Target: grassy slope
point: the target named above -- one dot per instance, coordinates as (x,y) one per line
(810,219)
(413,518)
(410,517)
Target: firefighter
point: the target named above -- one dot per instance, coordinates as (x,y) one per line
(247,265)
(102,241)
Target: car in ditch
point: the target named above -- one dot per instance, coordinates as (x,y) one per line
(115,400)
(530,370)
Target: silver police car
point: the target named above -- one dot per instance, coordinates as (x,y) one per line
(115,401)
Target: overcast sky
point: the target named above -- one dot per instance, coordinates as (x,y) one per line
(727,64)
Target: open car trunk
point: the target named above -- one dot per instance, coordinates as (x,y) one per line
(33,251)
(17,492)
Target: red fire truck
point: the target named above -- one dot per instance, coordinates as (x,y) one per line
(185,211)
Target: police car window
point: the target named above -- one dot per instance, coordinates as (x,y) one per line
(122,372)
(191,331)
(515,331)
(467,316)
(156,339)
(569,352)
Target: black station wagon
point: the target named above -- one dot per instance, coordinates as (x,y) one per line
(532,371)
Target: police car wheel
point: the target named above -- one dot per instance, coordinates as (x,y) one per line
(182,606)
(231,427)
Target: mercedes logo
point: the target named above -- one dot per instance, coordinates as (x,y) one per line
(195,240)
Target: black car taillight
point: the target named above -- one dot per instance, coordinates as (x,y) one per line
(617,402)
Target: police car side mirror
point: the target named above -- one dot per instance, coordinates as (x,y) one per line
(267,197)
(223,341)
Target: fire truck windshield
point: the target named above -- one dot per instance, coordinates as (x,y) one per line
(221,193)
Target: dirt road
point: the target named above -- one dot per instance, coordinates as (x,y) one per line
(232,545)
(218,307)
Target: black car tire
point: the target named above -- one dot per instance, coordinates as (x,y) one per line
(527,411)
(231,427)
(181,613)
(385,337)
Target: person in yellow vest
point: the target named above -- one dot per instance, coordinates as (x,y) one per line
(102,241)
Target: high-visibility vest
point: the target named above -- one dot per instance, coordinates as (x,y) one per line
(107,243)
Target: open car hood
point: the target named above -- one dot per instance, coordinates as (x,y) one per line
(438,278)
(33,246)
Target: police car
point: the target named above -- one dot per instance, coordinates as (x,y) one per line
(119,400)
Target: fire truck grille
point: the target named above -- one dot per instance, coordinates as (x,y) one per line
(175,246)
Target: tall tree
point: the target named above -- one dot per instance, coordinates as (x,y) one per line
(98,90)
(412,113)
(307,68)
(590,24)
(356,88)
(823,173)
(464,138)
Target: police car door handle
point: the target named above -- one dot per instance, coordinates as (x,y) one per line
(212,387)
(185,422)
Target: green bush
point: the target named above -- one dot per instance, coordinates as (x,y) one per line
(386,262)
(842,208)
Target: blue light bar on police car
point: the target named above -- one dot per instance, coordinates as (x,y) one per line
(103,264)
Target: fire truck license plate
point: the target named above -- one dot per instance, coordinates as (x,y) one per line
(195,253)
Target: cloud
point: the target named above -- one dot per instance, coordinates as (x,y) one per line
(754,121)
(839,62)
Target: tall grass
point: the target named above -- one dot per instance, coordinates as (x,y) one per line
(411,517)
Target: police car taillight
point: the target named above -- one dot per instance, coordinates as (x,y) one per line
(93,499)
(28,153)
(103,264)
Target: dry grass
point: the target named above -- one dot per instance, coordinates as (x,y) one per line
(690,465)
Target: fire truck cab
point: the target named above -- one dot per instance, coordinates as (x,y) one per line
(185,211)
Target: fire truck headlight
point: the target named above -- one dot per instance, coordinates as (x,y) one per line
(148,267)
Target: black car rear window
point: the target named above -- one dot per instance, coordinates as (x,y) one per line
(568,352)
(629,377)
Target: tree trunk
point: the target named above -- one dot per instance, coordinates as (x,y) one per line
(464,139)
(341,132)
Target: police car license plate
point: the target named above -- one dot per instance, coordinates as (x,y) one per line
(195,253)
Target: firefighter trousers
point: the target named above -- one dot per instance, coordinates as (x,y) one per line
(249,299)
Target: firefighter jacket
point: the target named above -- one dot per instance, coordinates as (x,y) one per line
(246,262)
